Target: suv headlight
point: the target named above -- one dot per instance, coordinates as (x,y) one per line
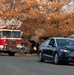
(64,50)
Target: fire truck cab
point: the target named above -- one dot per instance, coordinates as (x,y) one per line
(10,41)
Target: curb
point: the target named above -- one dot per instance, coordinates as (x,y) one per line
(23,54)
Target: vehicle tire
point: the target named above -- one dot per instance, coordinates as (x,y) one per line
(11,53)
(30,52)
(40,58)
(25,52)
(56,58)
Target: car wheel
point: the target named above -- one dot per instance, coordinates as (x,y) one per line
(56,58)
(40,58)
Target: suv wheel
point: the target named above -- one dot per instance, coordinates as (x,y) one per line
(40,58)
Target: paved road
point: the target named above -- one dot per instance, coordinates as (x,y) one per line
(29,65)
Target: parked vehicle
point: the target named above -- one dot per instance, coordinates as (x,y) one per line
(57,49)
(34,46)
(10,41)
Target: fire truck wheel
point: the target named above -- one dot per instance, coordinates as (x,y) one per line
(11,53)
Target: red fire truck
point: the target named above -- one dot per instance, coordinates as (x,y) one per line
(10,41)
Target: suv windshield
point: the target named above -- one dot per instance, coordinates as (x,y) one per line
(16,34)
(65,41)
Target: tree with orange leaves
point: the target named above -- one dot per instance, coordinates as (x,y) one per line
(38,17)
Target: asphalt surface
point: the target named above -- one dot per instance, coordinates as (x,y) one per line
(29,65)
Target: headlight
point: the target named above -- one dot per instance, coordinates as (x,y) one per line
(1,46)
(35,48)
(19,46)
(64,50)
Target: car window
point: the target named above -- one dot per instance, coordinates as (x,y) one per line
(71,42)
(63,41)
(46,42)
(52,42)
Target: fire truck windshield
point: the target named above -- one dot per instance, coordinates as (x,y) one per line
(10,34)
(6,34)
(16,34)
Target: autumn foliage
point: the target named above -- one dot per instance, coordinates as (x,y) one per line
(39,18)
